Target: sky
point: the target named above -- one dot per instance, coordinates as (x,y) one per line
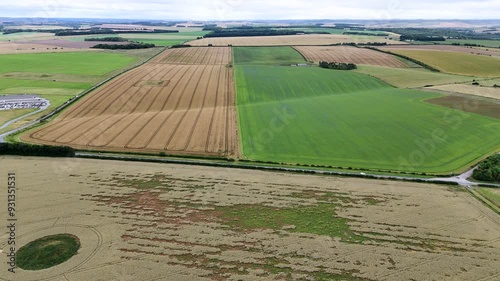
(253,9)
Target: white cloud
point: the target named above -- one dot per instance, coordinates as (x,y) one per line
(254,9)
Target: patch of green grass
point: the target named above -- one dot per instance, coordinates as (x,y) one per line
(320,219)
(267,56)
(8,85)
(326,117)
(6,115)
(456,63)
(411,77)
(47,252)
(78,63)
(491,195)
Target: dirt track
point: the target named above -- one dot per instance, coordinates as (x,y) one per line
(143,221)
(349,55)
(182,102)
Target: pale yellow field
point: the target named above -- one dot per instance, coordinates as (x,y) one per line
(143,221)
(26,48)
(488,92)
(295,40)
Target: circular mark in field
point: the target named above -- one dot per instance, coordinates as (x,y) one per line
(47,252)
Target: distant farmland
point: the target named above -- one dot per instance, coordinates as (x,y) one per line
(297,40)
(455,62)
(309,115)
(347,54)
(180,102)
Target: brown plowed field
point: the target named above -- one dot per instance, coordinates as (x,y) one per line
(349,55)
(181,102)
(290,40)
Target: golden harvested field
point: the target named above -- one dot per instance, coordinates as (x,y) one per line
(488,92)
(143,221)
(290,40)
(182,102)
(207,55)
(347,54)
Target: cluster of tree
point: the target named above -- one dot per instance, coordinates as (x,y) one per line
(146,31)
(155,23)
(489,170)
(468,45)
(73,32)
(177,46)
(349,26)
(360,44)
(338,65)
(12,31)
(365,33)
(124,47)
(35,150)
(422,37)
(108,39)
(251,32)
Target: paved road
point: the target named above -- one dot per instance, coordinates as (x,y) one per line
(7,124)
(462,179)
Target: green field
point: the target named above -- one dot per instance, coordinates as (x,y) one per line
(491,195)
(80,63)
(310,115)
(267,56)
(487,43)
(411,77)
(457,63)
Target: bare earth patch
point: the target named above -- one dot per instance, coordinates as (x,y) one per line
(143,221)
(469,104)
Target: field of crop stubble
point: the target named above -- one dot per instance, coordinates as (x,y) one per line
(182,101)
(166,222)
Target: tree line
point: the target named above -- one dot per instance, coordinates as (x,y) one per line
(365,33)
(250,32)
(489,170)
(108,39)
(124,47)
(337,65)
(24,149)
(73,32)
